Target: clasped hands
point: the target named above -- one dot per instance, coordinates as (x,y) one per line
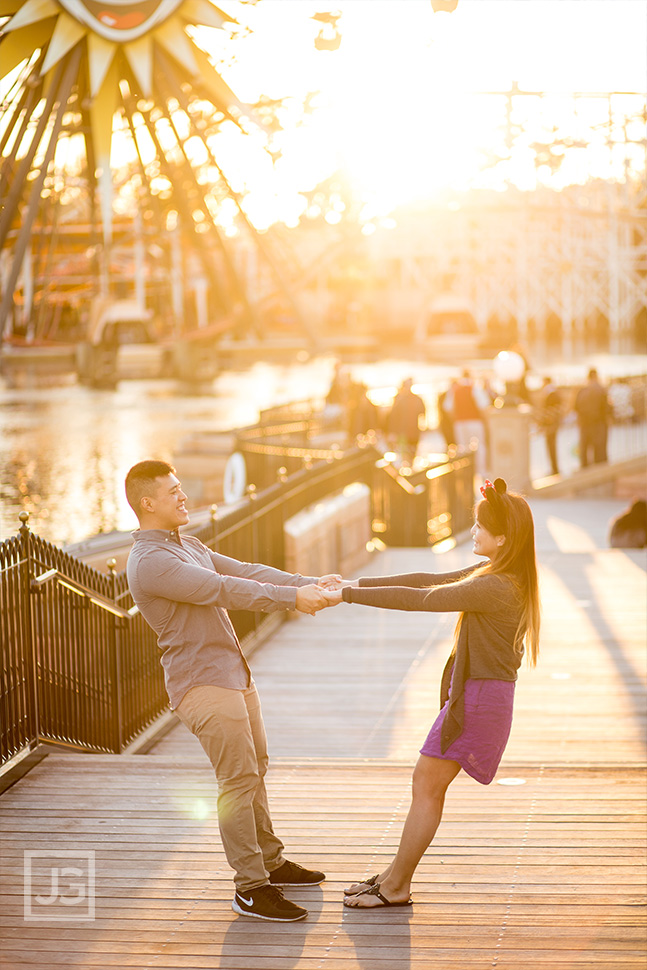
(317,596)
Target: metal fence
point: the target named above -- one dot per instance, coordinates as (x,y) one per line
(80,667)
(285,438)
(419,507)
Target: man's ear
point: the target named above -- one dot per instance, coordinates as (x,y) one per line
(147,504)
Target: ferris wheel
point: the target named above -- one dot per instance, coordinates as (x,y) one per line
(72,74)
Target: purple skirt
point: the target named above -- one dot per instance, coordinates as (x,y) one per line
(488,719)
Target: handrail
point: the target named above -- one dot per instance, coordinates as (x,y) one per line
(267,431)
(287,451)
(101,601)
(399,479)
(292,411)
(440,470)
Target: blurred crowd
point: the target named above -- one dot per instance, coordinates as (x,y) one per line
(462,407)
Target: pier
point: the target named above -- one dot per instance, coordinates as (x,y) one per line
(545,867)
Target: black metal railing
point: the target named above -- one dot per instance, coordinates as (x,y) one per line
(80,667)
(287,436)
(423,505)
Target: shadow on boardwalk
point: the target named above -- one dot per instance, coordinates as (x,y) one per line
(544,868)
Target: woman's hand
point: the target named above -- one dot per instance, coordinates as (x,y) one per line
(332,581)
(333,596)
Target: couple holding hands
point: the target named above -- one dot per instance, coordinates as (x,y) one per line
(184,590)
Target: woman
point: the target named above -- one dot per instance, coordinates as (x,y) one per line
(498,602)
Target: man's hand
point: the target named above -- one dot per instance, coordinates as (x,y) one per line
(332,581)
(310,599)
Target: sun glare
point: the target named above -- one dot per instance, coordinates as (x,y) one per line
(405,106)
(411,106)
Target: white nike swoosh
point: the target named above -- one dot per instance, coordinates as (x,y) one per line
(248,901)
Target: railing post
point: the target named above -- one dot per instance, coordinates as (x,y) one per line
(214,526)
(252,496)
(116,667)
(279,537)
(29,643)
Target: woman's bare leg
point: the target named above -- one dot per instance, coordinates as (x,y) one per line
(431,779)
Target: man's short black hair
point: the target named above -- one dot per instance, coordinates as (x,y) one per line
(140,480)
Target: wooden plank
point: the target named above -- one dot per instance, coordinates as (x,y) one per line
(549,873)
(403,958)
(196,926)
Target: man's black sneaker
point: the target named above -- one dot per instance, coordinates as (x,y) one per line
(267,902)
(292,874)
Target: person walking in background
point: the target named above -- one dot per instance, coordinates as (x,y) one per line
(183,591)
(549,417)
(403,423)
(498,603)
(592,409)
(338,395)
(519,389)
(339,387)
(445,421)
(363,417)
(465,404)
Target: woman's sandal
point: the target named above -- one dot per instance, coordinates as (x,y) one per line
(375,891)
(371,881)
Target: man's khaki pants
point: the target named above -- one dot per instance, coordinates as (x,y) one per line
(229,725)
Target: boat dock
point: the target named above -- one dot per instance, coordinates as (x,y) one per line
(544,868)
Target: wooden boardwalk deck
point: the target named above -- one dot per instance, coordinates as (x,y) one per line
(545,867)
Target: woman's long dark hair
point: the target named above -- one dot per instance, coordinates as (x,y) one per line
(508,514)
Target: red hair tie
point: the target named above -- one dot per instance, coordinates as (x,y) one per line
(488,484)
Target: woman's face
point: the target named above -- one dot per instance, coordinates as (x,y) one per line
(485,544)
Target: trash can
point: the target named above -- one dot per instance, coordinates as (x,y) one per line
(509,444)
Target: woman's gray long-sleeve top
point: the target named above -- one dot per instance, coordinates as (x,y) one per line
(486,642)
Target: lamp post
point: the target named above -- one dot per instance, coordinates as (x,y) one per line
(509,425)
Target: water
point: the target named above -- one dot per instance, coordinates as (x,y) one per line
(65,448)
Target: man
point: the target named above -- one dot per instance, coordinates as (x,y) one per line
(592,409)
(549,418)
(465,403)
(183,591)
(403,427)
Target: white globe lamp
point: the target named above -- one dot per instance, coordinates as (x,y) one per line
(509,368)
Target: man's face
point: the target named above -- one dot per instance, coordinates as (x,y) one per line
(166,508)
